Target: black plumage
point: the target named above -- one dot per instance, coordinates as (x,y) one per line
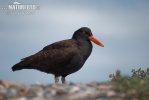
(61,58)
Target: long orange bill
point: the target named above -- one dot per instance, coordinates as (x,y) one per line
(91,38)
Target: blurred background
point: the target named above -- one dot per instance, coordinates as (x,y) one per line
(121,25)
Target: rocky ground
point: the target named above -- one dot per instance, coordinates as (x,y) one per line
(93,91)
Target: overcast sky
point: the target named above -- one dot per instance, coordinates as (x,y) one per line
(121,25)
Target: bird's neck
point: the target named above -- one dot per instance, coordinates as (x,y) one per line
(85,47)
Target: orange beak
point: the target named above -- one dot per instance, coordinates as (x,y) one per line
(91,38)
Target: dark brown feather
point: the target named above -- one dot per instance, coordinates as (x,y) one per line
(53,58)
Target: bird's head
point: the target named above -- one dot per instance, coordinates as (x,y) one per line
(86,33)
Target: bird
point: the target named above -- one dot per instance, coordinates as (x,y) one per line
(62,58)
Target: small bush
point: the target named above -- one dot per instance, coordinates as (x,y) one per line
(135,86)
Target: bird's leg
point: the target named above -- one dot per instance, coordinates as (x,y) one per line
(56,79)
(63,80)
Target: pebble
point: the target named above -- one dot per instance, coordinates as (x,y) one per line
(72,91)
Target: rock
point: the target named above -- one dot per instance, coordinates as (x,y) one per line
(48,93)
(72,91)
(37,90)
(10,83)
(3,90)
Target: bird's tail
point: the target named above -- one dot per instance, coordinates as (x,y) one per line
(16,67)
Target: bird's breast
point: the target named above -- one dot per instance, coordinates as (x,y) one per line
(85,49)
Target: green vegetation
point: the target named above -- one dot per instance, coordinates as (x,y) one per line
(135,86)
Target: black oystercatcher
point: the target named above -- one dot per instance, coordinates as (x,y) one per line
(62,58)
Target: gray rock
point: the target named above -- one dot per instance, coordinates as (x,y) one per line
(91,91)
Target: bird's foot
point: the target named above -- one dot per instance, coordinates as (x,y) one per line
(63,80)
(56,80)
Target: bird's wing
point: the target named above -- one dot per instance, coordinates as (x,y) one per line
(53,55)
(55,47)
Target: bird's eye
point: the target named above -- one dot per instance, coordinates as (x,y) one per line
(84,32)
